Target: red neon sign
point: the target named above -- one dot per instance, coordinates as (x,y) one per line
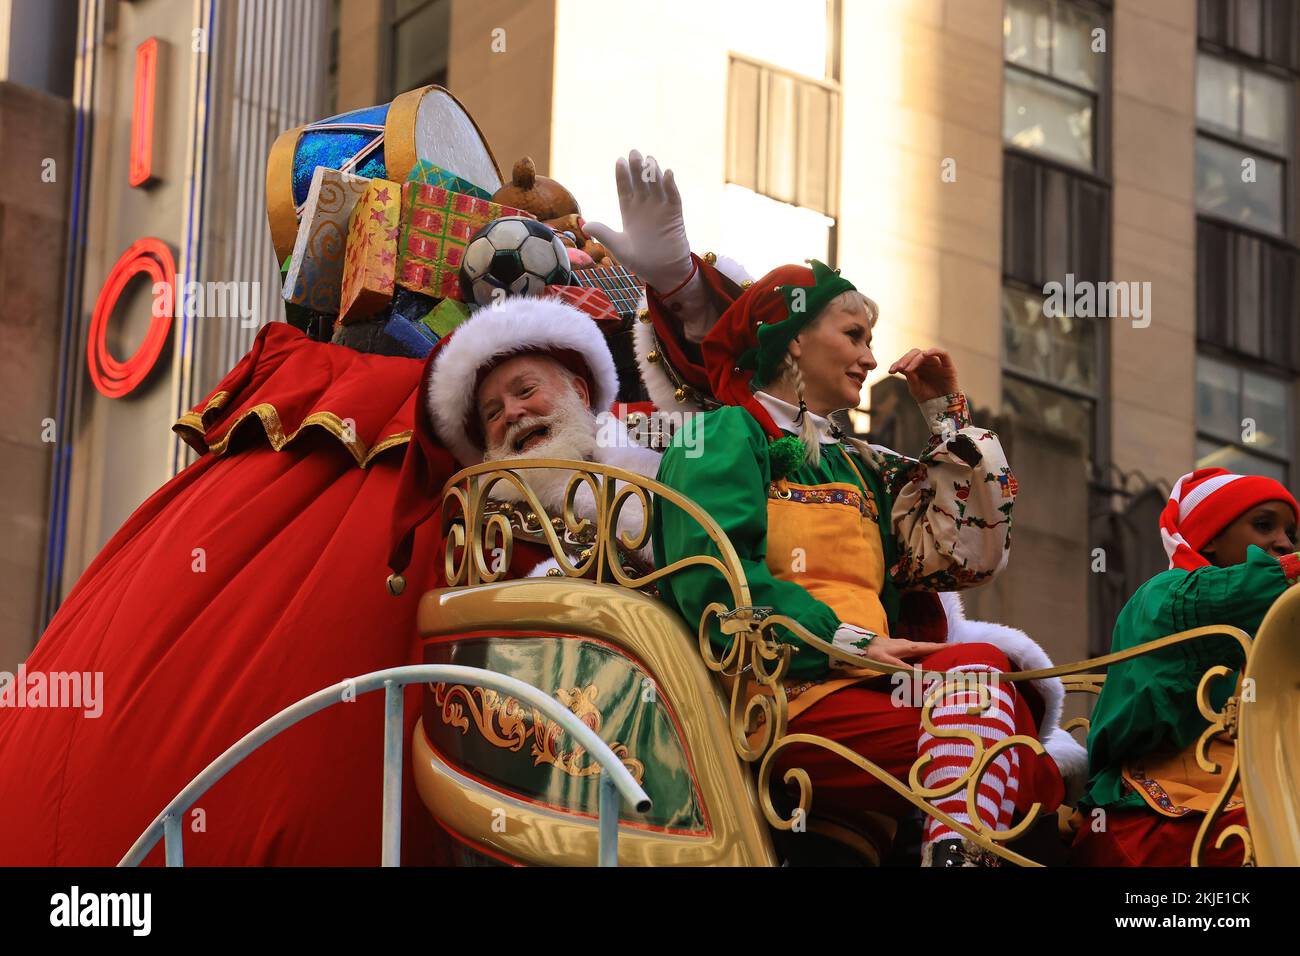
(112,378)
(142,112)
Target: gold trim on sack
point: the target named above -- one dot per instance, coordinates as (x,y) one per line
(266,413)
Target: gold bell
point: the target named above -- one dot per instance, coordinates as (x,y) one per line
(680,395)
(396,584)
(710,257)
(643,315)
(652,356)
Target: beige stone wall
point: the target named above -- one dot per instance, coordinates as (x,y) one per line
(33,234)
(508,92)
(923,84)
(1154,239)
(362,39)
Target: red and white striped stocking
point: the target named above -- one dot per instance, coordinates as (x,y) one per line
(996,795)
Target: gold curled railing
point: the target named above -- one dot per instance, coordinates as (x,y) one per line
(753,662)
(1078,677)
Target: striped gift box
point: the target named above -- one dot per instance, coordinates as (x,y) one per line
(622,287)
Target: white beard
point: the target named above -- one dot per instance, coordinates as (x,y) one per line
(572,435)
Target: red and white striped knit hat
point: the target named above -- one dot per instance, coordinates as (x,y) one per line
(1205,502)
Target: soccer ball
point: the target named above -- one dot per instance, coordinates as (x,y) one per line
(512,255)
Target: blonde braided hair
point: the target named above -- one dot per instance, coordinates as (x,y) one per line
(807,430)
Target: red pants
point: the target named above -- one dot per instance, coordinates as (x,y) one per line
(1142,837)
(867,720)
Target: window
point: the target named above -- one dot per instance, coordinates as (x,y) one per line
(783,135)
(1244,136)
(1266,30)
(1248,267)
(1052,79)
(1243,419)
(420,42)
(1050,366)
(1248,294)
(1054,224)
(1055,215)
(1059,348)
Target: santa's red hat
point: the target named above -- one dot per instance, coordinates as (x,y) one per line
(1205,502)
(446,414)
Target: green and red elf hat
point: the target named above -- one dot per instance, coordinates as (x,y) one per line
(746,347)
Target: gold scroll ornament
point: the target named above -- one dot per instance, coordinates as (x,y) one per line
(507,725)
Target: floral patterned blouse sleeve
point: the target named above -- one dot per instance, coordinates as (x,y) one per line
(952,506)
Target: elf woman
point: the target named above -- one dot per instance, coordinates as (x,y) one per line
(1231,541)
(832,532)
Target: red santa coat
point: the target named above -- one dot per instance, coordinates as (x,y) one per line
(290,505)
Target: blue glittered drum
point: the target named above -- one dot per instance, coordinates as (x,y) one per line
(384,141)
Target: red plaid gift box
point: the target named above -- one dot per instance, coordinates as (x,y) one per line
(437,225)
(592,301)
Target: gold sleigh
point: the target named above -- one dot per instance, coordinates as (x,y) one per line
(706,729)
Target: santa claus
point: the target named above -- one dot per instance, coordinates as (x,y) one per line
(534,378)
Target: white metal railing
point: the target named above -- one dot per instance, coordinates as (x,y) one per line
(615,780)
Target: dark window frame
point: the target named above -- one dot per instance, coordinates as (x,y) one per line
(1099,175)
(393,23)
(1248,147)
(1071,391)
(1241,365)
(1101,97)
(1217,31)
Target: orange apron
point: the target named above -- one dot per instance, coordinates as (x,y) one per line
(826,539)
(1174,785)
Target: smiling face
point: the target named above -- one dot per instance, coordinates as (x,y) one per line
(523,403)
(1271,526)
(834,356)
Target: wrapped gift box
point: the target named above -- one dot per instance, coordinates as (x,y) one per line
(623,288)
(445,316)
(593,301)
(370,264)
(437,225)
(427,174)
(315,276)
(412,337)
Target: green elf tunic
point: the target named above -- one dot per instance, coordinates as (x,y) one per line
(1147,707)
(838,541)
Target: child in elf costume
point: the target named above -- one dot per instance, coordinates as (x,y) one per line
(832,532)
(1231,541)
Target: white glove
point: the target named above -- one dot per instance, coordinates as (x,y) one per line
(653,244)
